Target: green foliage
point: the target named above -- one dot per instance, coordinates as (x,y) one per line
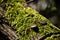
(22,19)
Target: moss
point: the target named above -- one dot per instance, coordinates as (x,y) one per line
(24,21)
(53,37)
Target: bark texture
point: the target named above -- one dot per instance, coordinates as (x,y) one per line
(6,32)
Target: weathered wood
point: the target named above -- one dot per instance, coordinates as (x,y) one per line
(6,30)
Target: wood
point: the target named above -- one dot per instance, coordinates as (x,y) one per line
(6,32)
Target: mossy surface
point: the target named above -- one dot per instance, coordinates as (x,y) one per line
(24,20)
(53,37)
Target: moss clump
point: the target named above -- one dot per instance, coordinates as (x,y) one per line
(53,37)
(28,22)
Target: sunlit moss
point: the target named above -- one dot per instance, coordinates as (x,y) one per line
(22,19)
(54,37)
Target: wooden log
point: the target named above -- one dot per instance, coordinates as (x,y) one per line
(8,31)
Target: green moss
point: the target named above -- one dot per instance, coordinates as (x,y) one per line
(22,19)
(53,37)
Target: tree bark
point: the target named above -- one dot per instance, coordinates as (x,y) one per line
(6,32)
